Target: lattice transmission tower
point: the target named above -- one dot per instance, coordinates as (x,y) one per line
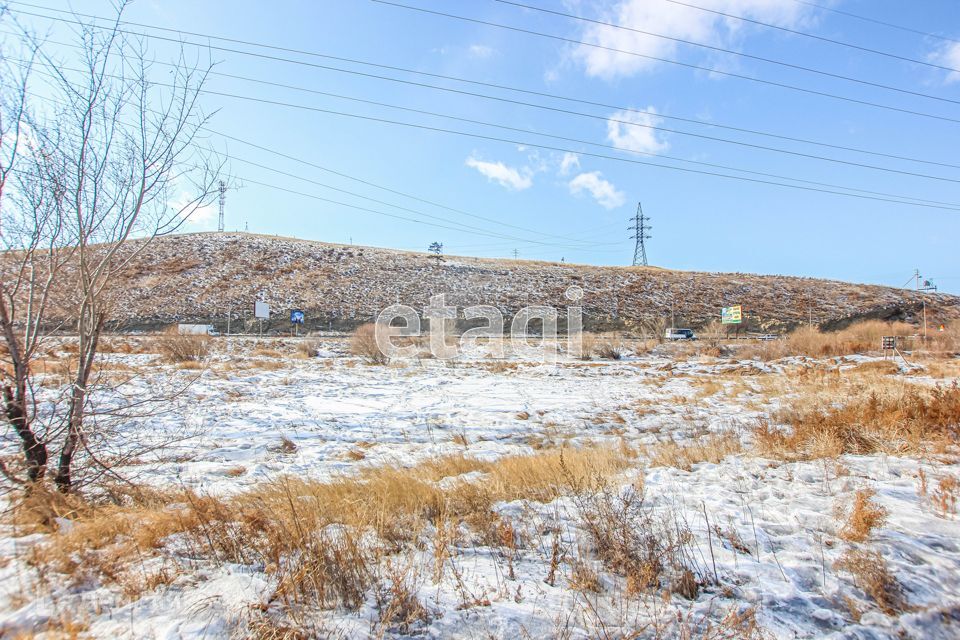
(640,235)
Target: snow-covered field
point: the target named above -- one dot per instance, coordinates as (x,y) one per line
(763,534)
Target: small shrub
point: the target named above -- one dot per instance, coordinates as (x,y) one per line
(308,348)
(631,541)
(583,578)
(175,347)
(399,608)
(608,350)
(944,497)
(861,518)
(588,345)
(364,344)
(286,446)
(872,576)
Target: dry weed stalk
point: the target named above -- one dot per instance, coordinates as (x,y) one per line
(861,517)
(945,496)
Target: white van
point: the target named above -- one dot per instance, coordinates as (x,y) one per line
(680,334)
(196,330)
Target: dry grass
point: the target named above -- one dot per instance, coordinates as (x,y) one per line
(860,337)
(176,348)
(364,344)
(262,352)
(609,348)
(711,448)
(652,552)
(861,517)
(893,418)
(304,533)
(286,446)
(940,369)
(871,575)
(945,496)
(308,348)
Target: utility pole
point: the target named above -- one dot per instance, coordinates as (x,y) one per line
(516,254)
(925,287)
(223,204)
(640,229)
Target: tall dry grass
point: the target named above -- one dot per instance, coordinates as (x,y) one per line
(322,541)
(890,417)
(712,448)
(860,337)
(176,348)
(363,343)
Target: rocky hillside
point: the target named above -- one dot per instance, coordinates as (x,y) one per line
(202,277)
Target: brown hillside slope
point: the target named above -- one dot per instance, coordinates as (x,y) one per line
(200,277)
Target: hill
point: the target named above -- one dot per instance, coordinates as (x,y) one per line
(202,277)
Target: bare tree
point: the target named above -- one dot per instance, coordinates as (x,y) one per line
(115,162)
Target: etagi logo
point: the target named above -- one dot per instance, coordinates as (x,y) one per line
(402,321)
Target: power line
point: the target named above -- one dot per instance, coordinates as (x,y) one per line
(807,34)
(586,115)
(388,189)
(734,52)
(455,79)
(669,61)
(875,21)
(400,207)
(885,197)
(372,184)
(381,213)
(858,193)
(583,245)
(608,119)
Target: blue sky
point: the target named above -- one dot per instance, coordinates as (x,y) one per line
(574,206)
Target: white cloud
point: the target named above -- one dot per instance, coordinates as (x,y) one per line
(603,191)
(630,130)
(205,216)
(569,162)
(948,56)
(508,177)
(676,21)
(481,51)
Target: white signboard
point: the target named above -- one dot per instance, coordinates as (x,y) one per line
(261,310)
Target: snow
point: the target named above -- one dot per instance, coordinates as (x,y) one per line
(330,406)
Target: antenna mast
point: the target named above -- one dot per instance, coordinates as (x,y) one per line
(223,204)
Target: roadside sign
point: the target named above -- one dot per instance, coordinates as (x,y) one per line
(296,316)
(888,343)
(731,315)
(261,310)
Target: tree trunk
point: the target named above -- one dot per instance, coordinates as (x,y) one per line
(34,450)
(78,399)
